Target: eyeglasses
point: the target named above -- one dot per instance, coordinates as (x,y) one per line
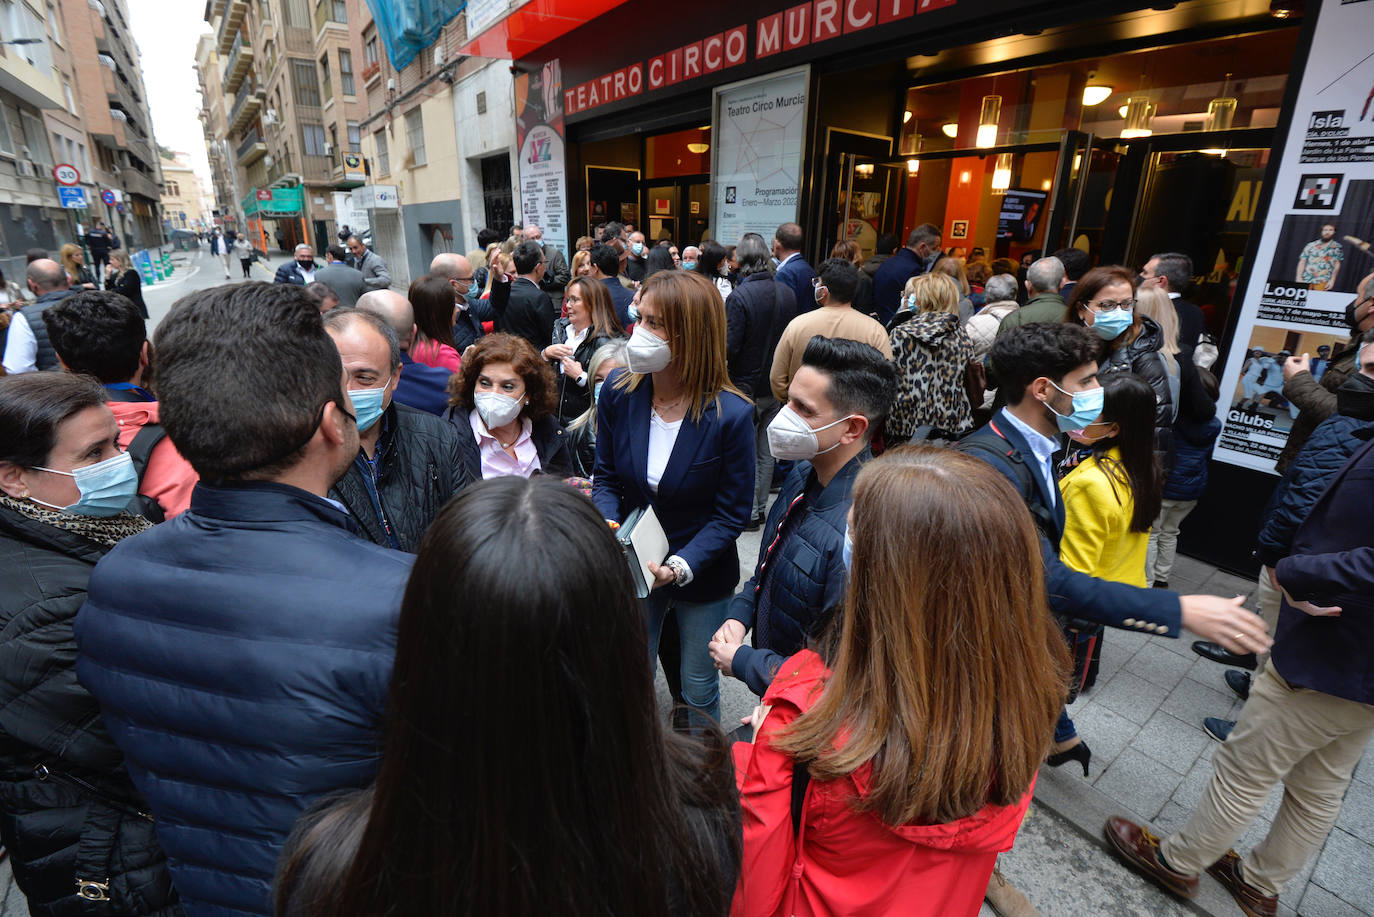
(1106,305)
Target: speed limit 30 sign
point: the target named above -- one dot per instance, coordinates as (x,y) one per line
(66,174)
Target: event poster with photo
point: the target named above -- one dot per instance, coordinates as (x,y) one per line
(539,135)
(758,133)
(1315,250)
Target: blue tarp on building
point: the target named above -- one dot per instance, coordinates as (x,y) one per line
(407,27)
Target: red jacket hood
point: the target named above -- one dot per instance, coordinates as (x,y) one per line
(992,829)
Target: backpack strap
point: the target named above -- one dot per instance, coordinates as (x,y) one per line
(141,449)
(1025,476)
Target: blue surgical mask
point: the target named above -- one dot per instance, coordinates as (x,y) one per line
(847,552)
(106,487)
(689,265)
(368,403)
(1109,325)
(637,247)
(1087,407)
(596,391)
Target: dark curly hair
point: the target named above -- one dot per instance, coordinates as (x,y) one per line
(523,358)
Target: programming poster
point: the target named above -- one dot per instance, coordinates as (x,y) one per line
(1315,249)
(539,134)
(757,136)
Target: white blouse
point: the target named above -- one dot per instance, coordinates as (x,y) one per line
(662,436)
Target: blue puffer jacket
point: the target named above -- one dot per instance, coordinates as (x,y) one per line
(1193,441)
(1332,443)
(241,655)
(808,574)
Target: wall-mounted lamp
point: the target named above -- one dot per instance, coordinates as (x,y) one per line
(987,122)
(906,116)
(950,129)
(1095,94)
(965,177)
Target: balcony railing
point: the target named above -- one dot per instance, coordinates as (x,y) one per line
(234,12)
(240,62)
(247,104)
(251,149)
(317,168)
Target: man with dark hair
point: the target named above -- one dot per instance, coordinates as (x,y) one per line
(792,267)
(756,313)
(1076,263)
(919,256)
(1173,272)
(346,282)
(882,250)
(605,261)
(520,306)
(421,386)
(840,395)
(556,270)
(487,236)
(369,263)
(408,463)
(1044,278)
(104,335)
(241,652)
(99,240)
(836,318)
(323,296)
(1048,372)
(35,254)
(472,309)
(27,348)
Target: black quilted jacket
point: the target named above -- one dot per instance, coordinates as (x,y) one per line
(68,810)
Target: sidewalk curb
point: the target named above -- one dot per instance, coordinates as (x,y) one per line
(1087,809)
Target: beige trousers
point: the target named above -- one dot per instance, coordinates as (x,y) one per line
(1308,740)
(1269,599)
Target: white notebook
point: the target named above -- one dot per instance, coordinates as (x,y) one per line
(645,543)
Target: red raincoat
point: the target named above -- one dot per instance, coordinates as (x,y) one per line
(845,862)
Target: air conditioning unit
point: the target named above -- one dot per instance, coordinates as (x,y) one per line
(391,84)
(269,116)
(329,149)
(439,56)
(25,168)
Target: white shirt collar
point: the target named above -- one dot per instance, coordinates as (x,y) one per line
(1041,446)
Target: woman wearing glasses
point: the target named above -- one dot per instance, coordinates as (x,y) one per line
(1104,300)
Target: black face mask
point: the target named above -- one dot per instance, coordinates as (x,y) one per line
(305,265)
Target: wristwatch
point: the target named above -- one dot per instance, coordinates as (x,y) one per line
(681,574)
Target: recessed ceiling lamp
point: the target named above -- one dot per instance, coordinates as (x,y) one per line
(950,129)
(698,147)
(1096,93)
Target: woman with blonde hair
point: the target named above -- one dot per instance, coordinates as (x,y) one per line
(122,278)
(932,351)
(955,269)
(912,753)
(676,435)
(1153,302)
(74,262)
(581,264)
(582,430)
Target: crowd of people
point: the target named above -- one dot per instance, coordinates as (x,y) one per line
(316,602)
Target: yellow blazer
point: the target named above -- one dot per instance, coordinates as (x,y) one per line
(1097,524)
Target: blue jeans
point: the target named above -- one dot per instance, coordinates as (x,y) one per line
(1063,729)
(697,622)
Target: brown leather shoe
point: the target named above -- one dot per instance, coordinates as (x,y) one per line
(1251,900)
(1006,899)
(1139,849)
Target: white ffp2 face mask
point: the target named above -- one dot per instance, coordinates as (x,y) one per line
(647,352)
(792,439)
(496,409)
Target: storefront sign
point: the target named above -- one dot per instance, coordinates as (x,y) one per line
(273,202)
(789,29)
(759,129)
(1315,249)
(376,197)
(539,135)
(353,168)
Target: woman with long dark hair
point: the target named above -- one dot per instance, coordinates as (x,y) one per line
(550,787)
(712,264)
(589,322)
(1111,499)
(436,311)
(658,259)
(1104,300)
(916,750)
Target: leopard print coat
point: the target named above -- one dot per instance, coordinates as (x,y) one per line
(931,351)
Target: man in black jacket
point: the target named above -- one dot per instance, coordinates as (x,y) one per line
(408,463)
(521,307)
(1173,273)
(472,310)
(840,395)
(755,315)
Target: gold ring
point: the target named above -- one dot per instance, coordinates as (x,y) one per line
(1237,636)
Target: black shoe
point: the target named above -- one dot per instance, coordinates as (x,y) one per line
(1239,682)
(1080,753)
(755,523)
(1161,584)
(1218,653)
(1218,728)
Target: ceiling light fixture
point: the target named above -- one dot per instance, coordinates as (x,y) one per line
(1139,114)
(906,116)
(1001,172)
(913,166)
(987,122)
(698,147)
(950,129)
(1095,94)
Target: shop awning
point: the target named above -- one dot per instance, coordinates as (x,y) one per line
(534,24)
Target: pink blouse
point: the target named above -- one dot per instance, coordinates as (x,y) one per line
(433,353)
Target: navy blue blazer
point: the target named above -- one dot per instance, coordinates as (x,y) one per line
(707,491)
(621,298)
(1071,593)
(422,387)
(1332,563)
(799,277)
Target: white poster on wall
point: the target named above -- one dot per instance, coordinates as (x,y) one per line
(758,133)
(346,213)
(539,133)
(1315,250)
